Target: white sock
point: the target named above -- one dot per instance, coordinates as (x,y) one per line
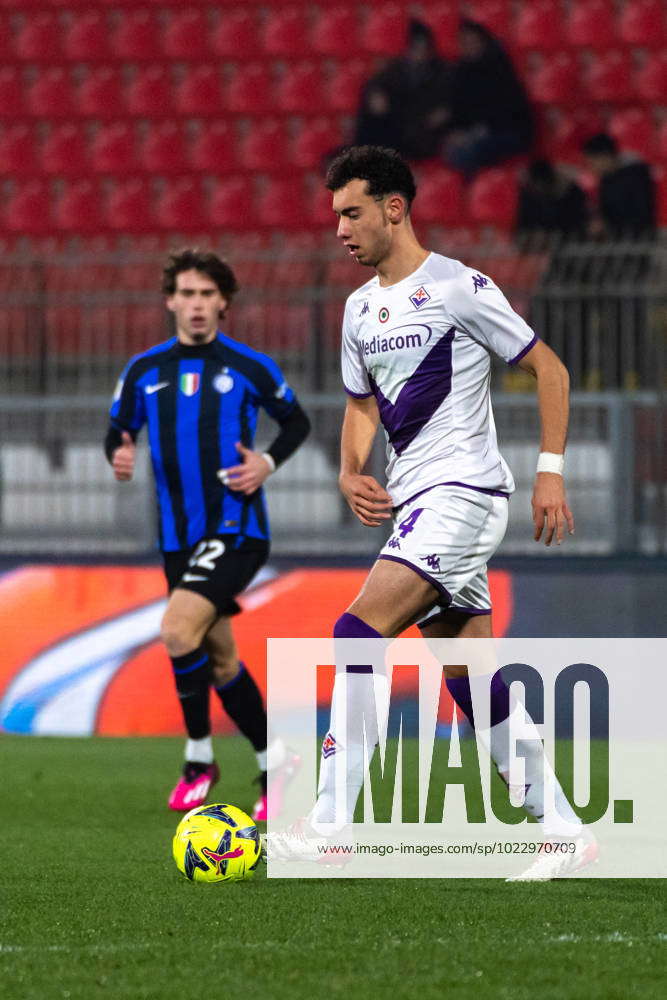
(199,751)
(358,710)
(273,756)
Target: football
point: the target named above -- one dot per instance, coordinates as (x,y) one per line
(216,843)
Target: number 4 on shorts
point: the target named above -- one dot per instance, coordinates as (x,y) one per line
(405,527)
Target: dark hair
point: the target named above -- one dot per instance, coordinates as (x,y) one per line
(383,170)
(209,264)
(600,145)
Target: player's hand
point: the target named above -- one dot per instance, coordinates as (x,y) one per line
(369,501)
(550,510)
(249,476)
(123,458)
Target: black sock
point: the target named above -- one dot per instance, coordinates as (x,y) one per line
(243,703)
(192,674)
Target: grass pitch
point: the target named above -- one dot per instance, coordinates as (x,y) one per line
(91,905)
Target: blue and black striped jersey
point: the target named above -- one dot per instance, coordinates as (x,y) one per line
(197,402)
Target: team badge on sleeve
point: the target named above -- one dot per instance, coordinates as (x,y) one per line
(329,745)
(189,383)
(419,297)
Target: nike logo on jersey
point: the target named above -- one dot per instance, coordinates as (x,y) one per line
(192,577)
(150,389)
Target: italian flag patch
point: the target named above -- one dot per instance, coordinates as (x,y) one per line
(189,383)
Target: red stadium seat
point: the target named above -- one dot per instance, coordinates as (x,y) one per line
(38,40)
(539,26)
(129,207)
(17,150)
(651,79)
(343,88)
(180,207)
(50,95)
(187,30)
(113,149)
(150,92)
(265,146)
(555,80)
(137,36)
(78,209)
(642,22)
(662,142)
(200,92)
(569,131)
(314,141)
(235,36)
(609,77)
(28,209)
(64,151)
(248,91)
(232,204)
(320,212)
(214,148)
(660,178)
(102,93)
(385,30)
(300,90)
(281,203)
(444,19)
(87,37)
(440,198)
(285,31)
(496,15)
(492,198)
(7,54)
(163,149)
(12,92)
(591,24)
(633,130)
(333,29)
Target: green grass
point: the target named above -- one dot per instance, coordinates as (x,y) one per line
(91,905)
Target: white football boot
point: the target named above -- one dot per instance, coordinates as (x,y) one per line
(300,842)
(563,860)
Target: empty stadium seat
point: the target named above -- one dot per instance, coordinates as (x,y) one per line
(129,208)
(332,30)
(662,142)
(187,32)
(314,140)
(200,92)
(17,150)
(137,36)
(280,203)
(213,148)
(112,150)
(235,35)
(28,209)
(12,92)
(64,151)
(320,212)
(180,207)
(101,93)
(87,37)
(539,26)
(608,77)
(163,149)
(300,90)
(285,31)
(343,87)
(78,209)
(385,30)
(496,15)
(591,24)
(443,19)
(231,205)
(642,22)
(150,92)
(569,129)
(651,79)
(633,130)
(248,91)
(492,197)
(555,79)
(440,198)
(265,146)
(38,39)
(51,94)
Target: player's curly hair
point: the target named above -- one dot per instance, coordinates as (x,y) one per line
(208,263)
(383,169)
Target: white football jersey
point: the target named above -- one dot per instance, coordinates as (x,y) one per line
(422,348)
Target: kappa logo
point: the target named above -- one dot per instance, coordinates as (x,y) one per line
(329,745)
(432,561)
(150,389)
(365,309)
(393,543)
(479,281)
(419,297)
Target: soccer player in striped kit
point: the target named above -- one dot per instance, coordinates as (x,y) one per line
(199,393)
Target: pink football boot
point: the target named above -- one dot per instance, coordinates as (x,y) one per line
(280,779)
(193,786)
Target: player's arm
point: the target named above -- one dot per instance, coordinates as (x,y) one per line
(257,466)
(127,416)
(550,510)
(369,501)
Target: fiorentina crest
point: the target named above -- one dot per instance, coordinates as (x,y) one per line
(419,297)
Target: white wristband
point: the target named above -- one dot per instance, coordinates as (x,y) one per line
(550,462)
(269,459)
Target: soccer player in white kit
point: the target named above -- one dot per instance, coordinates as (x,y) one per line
(416,347)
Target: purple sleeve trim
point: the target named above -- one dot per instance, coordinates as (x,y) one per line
(357,395)
(527,348)
(444,593)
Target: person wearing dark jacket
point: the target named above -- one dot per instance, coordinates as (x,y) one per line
(626,193)
(550,203)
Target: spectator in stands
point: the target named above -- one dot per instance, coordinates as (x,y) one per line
(626,192)
(550,203)
(405,105)
(490,117)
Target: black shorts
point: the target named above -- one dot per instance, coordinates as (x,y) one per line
(215,569)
